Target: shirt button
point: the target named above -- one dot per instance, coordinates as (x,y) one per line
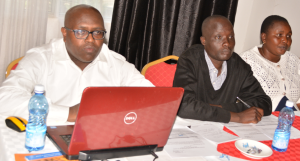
(283,79)
(278,66)
(283,93)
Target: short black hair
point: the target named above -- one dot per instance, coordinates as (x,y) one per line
(269,21)
(207,21)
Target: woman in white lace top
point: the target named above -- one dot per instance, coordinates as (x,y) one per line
(274,67)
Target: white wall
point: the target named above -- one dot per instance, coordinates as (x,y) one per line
(250,15)
(58,8)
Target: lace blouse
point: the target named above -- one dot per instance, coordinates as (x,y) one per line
(277,79)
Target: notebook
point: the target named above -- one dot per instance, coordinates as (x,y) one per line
(119,119)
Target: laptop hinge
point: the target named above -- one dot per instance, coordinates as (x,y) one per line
(117,152)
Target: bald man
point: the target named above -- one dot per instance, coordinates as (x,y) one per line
(66,67)
(213,76)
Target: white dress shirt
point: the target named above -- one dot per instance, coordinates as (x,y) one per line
(277,79)
(216,80)
(51,66)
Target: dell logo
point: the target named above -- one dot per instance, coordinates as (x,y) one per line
(130,118)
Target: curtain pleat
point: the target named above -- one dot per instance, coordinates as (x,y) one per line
(23,25)
(146,30)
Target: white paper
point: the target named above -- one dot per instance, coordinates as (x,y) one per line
(295,133)
(297,113)
(213,133)
(269,124)
(181,121)
(185,143)
(116,159)
(267,130)
(247,131)
(267,120)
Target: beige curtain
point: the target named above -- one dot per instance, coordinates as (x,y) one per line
(58,8)
(22,26)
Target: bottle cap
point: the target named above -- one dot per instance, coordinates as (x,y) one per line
(289,103)
(39,88)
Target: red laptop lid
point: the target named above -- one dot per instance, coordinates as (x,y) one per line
(114,117)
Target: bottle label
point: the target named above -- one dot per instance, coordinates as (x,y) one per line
(281,140)
(35,138)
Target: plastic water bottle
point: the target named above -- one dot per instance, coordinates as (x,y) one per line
(36,127)
(283,131)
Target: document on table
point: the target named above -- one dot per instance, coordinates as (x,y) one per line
(213,133)
(249,131)
(297,113)
(267,120)
(115,159)
(182,122)
(270,129)
(183,142)
(264,130)
(269,124)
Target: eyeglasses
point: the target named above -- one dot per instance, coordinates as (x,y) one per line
(83,34)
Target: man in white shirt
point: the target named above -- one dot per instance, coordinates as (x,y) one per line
(66,67)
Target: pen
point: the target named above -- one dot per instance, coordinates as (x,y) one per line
(243,102)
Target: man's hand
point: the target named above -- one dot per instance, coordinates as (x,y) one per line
(251,115)
(73,113)
(261,111)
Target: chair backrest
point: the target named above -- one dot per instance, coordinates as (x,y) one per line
(160,73)
(12,66)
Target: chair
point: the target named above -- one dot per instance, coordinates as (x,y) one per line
(12,66)
(159,72)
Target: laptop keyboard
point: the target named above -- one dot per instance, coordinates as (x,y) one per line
(66,138)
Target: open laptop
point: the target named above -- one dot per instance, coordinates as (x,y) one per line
(117,122)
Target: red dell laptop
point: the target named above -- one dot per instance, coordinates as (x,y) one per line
(117,122)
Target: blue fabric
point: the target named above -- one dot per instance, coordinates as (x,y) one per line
(281,104)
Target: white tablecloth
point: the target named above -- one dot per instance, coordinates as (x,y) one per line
(12,142)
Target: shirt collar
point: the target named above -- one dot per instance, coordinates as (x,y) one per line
(211,65)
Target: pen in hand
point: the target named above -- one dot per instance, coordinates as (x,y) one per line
(243,102)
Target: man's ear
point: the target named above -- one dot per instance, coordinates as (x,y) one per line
(263,37)
(202,39)
(64,33)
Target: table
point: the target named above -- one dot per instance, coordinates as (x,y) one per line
(292,153)
(12,142)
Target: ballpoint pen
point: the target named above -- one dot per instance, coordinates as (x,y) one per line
(243,102)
